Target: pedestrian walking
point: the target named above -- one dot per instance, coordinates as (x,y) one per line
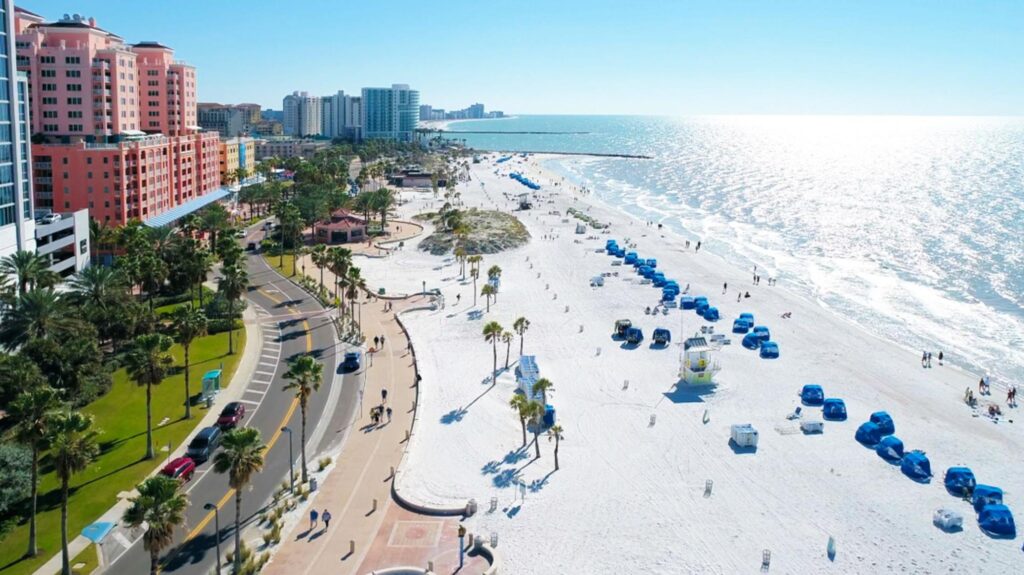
(924,357)
(312,519)
(327,519)
(388,411)
(382,341)
(384,395)
(725,287)
(698,247)
(940,357)
(376,341)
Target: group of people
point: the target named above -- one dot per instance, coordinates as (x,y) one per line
(378,412)
(985,388)
(314,516)
(926,359)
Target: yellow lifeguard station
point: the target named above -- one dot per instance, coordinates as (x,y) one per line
(698,366)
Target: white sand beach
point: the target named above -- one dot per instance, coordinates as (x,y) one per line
(630,497)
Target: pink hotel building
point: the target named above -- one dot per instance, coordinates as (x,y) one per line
(114,125)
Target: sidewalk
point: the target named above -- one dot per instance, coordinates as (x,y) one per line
(246,367)
(363,476)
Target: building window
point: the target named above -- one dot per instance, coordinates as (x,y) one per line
(153,83)
(74,87)
(47,60)
(152,73)
(72,60)
(49,113)
(74,102)
(154,93)
(49,101)
(74,113)
(48,73)
(72,73)
(88,161)
(49,87)
(74,127)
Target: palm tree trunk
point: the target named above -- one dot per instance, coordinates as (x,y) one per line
(321,278)
(35,495)
(520,344)
(508,349)
(188,392)
(522,422)
(149,421)
(154,562)
(536,438)
(238,530)
(231,326)
(302,445)
(494,377)
(201,293)
(556,452)
(474,291)
(65,558)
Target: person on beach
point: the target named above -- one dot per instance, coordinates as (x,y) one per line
(698,246)
(388,411)
(747,294)
(384,395)
(687,244)
(924,358)
(382,341)
(376,341)
(940,357)
(458,297)
(313,515)
(327,519)
(739,297)
(725,287)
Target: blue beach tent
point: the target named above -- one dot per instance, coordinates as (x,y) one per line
(687,302)
(667,296)
(996,520)
(631,258)
(986,495)
(634,335)
(661,336)
(890,448)
(884,422)
(652,262)
(868,434)
(645,271)
(620,252)
(658,279)
(960,481)
(549,416)
(740,326)
(748,316)
(762,332)
(610,243)
(711,314)
(769,350)
(916,466)
(812,394)
(751,341)
(700,303)
(834,409)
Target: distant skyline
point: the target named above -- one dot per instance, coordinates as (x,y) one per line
(598,57)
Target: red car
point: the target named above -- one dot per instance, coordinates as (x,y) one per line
(231,415)
(181,468)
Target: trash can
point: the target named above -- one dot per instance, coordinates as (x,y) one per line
(312,484)
(380,291)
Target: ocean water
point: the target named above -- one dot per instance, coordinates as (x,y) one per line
(912,227)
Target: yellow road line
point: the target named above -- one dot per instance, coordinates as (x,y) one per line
(270,444)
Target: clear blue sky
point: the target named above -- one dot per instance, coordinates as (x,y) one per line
(669,57)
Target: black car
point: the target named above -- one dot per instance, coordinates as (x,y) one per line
(204,444)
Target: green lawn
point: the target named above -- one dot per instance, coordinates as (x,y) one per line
(286,269)
(88,557)
(121,416)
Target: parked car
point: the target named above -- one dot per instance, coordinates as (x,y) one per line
(180,468)
(48,219)
(204,444)
(231,415)
(251,246)
(240,234)
(351,361)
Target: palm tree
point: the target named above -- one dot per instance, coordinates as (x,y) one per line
(474,273)
(520,326)
(354,282)
(305,376)
(460,257)
(492,333)
(521,405)
(339,259)
(488,291)
(535,411)
(97,286)
(384,200)
(32,411)
(189,324)
(161,508)
(214,220)
(318,255)
(232,283)
(31,270)
(241,456)
(542,386)
(36,314)
(506,338)
(556,433)
(494,273)
(72,448)
(148,363)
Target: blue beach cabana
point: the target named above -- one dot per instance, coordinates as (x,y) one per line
(751,341)
(769,350)
(661,336)
(997,520)
(762,332)
(834,409)
(651,262)
(687,302)
(812,394)
(960,481)
(884,422)
(748,316)
(985,495)
(631,258)
(890,448)
(700,303)
(868,434)
(711,314)
(740,326)
(916,466)
(634,335)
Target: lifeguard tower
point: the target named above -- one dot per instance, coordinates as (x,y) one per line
(698,366)
(524,201)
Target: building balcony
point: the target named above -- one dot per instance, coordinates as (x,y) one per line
(99,92)
(42,165)
(44,180)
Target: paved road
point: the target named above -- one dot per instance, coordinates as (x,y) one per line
(294,323)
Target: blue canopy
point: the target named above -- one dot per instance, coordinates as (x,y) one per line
(960,480)
(97,531)
(652,262)
(916,466)
(868,434)
(997,520)
(686,302)
(986,495)
(661,335)
(769,350)
(667,296)
(834,409)
(740,326)
(751,341)
(762,332)
(609,243)
(747,316)
(631,257)
(711,314)
(700,304)
(812,394)
(634,335)
(890,448)
(884,422)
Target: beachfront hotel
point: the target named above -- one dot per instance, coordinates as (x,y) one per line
(301,114)
(390,113)
(115,123)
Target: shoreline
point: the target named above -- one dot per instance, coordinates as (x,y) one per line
(468,441)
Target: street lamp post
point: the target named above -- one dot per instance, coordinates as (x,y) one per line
(291,460)
(216,525)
